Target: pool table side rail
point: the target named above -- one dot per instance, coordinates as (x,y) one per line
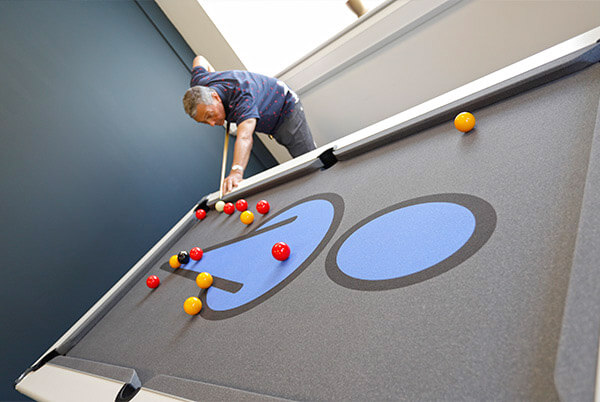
(304,165)
(560,60)
(531,79)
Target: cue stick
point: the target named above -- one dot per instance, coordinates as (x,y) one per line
(224,161)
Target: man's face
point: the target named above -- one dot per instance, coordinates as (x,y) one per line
(213,115)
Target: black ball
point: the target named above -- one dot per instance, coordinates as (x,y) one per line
(183,257)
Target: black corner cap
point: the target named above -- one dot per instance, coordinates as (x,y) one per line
(328,158)
(202,204)
(127,392)
(49,356)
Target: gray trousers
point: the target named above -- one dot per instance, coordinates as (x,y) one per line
(294,133)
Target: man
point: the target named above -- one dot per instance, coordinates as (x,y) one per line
(252,101)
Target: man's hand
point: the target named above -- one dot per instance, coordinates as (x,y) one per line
(232,181)
(202,62)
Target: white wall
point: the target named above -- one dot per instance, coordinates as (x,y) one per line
(200,33)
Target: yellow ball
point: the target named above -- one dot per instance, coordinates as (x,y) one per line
(247,217)
(174,262)
(219,206)
(192,305)
(464,122)
(204,280)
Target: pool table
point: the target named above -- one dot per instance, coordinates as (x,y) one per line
(426,264)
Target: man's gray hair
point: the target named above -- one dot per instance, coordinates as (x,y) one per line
(197,95)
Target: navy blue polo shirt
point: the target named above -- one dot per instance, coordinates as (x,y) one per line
(248,95)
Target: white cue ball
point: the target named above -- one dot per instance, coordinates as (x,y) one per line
(219,206)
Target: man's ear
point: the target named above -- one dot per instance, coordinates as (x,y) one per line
(216,97)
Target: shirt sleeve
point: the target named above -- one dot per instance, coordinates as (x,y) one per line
(198,73)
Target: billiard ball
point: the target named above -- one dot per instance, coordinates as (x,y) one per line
(183,257)
(229,208)
(219,206)
(153,281)
(192,305)
(204,280)
(281,251)
(174,262)
(263,207)
(247,217)
(200,214)
(196,253)
(241,205)
(464,122)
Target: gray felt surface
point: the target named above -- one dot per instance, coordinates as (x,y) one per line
(487,329)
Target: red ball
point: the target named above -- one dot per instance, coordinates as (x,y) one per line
(281,251)
(196,253)
(241,205)
(153,281)
(200,214)
(229,208)
(263,207)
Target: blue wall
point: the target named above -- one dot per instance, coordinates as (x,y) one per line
(97,159)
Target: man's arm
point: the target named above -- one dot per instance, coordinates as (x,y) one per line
(202,62)
(241,154)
